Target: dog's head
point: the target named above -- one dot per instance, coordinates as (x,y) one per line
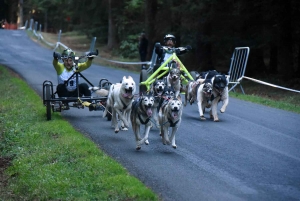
(207,89)
(128,87)
(174,74)
(168,93)
(220,82)
(147,102)
(158,87)
(175,107)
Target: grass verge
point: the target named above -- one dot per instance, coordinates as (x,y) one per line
(49,160)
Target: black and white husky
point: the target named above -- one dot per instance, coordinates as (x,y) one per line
(141,114)
(157,89)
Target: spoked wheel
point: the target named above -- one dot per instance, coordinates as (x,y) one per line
(143,77)
(48,97)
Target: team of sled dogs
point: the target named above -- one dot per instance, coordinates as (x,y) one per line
(162,105)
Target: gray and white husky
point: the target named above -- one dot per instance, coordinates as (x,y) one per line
(141,114)
(120,98)
(170,117)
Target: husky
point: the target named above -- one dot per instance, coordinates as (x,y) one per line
(204,94)
(219,93)
(170,116)
(173,80)
(120,98)
(157,90)
(141,114)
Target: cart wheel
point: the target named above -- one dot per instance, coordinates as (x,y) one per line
(108,114)
(48,105)
(143,77)
(194,74)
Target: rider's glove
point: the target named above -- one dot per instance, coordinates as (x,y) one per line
(188,47)
(56,55)
(157,45)
(92,53)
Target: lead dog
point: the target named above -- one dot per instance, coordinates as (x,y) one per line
(173,80)
(142,110)
(219,93)
(120,99)
(170,117)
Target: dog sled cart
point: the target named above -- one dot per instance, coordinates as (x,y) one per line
(98,96)
(154,71)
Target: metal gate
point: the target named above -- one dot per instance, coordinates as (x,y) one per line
(238,65)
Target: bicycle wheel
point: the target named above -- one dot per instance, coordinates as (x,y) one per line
(48,103)
(143,77)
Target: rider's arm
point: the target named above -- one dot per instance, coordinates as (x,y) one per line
(85,65)
(59,67)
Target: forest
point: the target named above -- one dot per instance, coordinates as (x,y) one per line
(270,28)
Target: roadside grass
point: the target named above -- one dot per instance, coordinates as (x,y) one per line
(50,160)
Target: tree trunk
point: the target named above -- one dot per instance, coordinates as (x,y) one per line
(150,12)
(285,53)
(112,29)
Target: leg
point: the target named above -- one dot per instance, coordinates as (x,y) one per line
(172,138)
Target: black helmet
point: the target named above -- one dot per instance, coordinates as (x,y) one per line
(67,53)
(169,37)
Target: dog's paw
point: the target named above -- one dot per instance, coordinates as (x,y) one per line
(216,120)
(117,130)
(138,148)
(222,110)
(202,118)
(174,146)
(146,142)
(124,128)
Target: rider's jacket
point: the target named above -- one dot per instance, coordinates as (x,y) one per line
(63,74)
(165,52)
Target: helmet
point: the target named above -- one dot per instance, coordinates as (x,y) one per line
(68,53)
(169,37)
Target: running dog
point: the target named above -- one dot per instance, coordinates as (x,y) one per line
(173,80)
(170,117)
(142,111)
(157,89)
(120,99)
(204,94)
(219,93)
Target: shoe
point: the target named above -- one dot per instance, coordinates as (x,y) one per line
(92,107)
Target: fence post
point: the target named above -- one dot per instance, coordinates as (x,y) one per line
(35,26)
(25,26)
(30,26)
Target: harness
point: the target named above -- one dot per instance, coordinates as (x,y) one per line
(141,111)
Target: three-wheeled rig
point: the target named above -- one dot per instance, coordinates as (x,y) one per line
(155,71)
(98,96)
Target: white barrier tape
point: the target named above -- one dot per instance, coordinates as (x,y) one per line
(265,83)
(121,62)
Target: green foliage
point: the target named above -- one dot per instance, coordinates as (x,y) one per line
(129,47)
(51,160)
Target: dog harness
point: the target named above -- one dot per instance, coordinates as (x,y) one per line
(142,112)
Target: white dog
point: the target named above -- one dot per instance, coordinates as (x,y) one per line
(142,110)
(120,99)
(170,116)
(173,80)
